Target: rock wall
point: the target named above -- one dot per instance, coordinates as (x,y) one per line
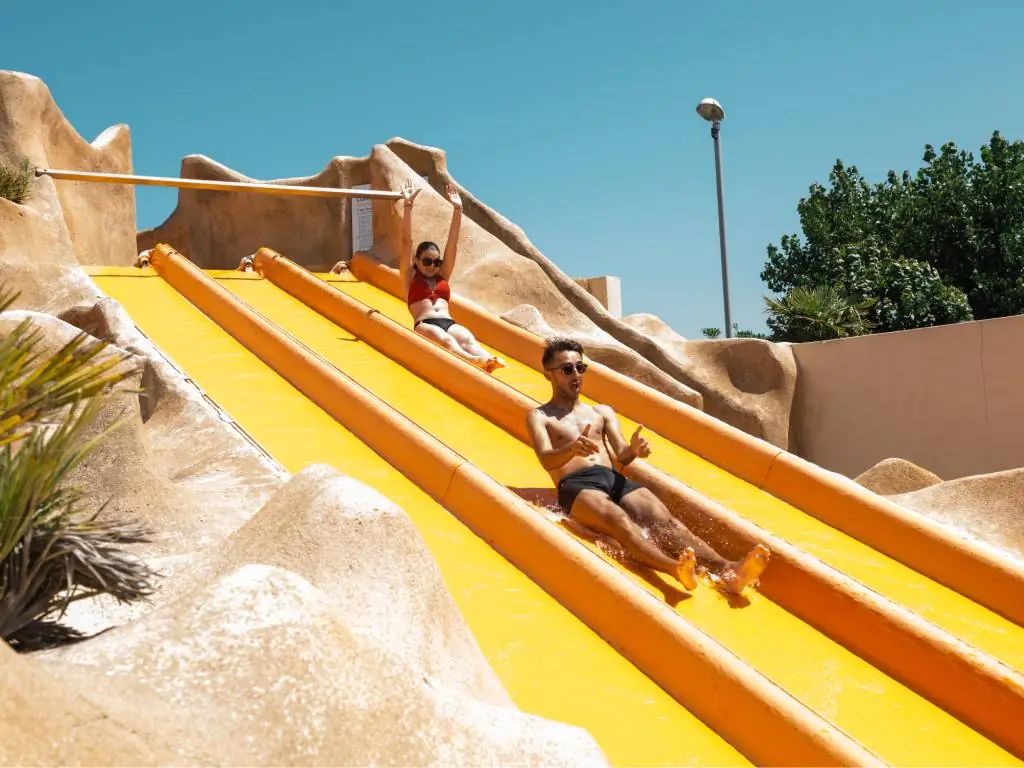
(217,229)
(99,218)
(747,383)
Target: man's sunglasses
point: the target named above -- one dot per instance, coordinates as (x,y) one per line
(426,261)
(568,369)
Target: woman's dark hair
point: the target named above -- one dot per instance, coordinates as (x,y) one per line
(559,344)
(426,245)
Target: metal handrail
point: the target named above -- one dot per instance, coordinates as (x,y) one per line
(216,186)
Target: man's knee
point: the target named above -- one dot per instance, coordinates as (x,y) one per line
(643,502)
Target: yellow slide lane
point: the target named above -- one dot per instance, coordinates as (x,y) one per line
(551,664)
(940,605)
(883,715)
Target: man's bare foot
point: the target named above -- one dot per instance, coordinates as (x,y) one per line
(686,571)
(746,571)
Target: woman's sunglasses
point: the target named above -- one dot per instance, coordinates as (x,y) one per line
(568,369)
(426,261)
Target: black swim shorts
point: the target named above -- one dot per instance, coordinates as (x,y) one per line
(613,484)
(444,323)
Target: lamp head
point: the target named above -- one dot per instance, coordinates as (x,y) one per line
(711,110)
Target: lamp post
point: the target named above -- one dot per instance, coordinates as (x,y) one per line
(712,111)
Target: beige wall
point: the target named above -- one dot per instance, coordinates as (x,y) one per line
(607,290)
(950,399)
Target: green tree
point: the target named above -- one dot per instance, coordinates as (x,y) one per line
(942,245)
(851,235)
(54,549)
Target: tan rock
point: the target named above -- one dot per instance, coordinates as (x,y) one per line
(604,349)
(892,476)
(653,326)
(218,229)
(366,555)
(37,259)
(262,668)
(988,508)
(100,218)
(45,723)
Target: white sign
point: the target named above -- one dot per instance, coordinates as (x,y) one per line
(362,220)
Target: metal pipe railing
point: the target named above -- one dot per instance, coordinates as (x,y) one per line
(216,186)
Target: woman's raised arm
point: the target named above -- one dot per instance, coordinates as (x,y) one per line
(405,256)
(451,248)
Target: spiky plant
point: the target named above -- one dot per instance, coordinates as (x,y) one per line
(817,313)
(16,181)
(53,548)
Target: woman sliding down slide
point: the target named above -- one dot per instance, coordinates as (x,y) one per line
(425,276)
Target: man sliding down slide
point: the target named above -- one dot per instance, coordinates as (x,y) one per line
(572,442)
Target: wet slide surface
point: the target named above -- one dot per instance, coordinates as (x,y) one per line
(886,717)
(962,617)
(551,664)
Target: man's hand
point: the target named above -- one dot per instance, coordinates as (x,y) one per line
(638,444)
(583,445)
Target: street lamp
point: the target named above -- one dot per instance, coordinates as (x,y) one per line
(712,111)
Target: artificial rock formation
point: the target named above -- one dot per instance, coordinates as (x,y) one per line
(99,218)
(748,383)
(273,637)
(379,666)
(988,508)
(892,476)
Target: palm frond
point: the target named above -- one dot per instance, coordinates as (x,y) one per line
(34,389)
(817,313)
(53,548)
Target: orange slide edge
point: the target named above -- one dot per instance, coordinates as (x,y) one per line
(753,714)
(971,685)
(976,571)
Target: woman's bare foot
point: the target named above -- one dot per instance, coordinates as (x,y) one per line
(746,571)
(492,364)
(686,571)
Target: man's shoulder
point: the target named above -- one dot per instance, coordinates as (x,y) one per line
(540,412)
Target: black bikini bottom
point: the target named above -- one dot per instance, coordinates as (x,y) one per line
(444,323)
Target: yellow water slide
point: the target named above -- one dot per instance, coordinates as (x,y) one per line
(846,654)
(551,663)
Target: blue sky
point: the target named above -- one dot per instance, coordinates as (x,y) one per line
(575,120)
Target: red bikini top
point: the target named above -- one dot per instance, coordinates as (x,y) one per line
(419,290)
